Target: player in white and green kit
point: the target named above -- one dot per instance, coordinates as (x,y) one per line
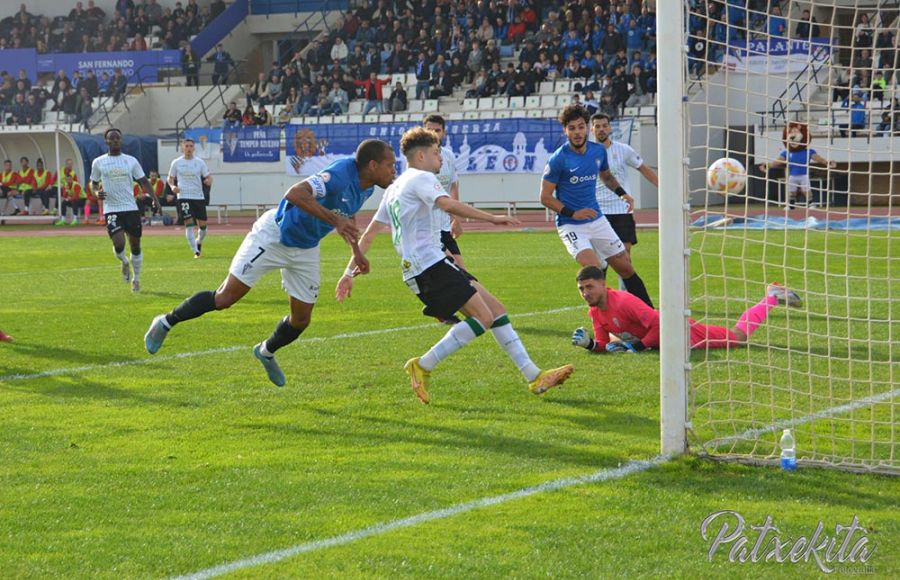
(411,209)
(187,176)
(450,225)
(112,175)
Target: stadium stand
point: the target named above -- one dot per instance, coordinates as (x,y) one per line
(516,58)
(604,51)
(69,98)
(132,26)
(476,50)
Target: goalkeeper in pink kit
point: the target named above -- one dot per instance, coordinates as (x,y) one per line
(637,325)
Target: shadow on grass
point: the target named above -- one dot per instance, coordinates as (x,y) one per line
(78,388)
(171,295)
(814,488)
(541,331)
(395,431)
(56,353)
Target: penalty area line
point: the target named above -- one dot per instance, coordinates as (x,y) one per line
(277,555)
(199,353)
(602,475)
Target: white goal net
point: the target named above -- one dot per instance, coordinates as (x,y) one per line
(805,96)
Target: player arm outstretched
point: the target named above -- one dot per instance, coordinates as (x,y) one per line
(779,161)
(302,196)
(345,283)
(610,181)
(460,209)
(816,158)
(550,201)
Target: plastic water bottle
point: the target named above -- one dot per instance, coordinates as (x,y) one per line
(788,451)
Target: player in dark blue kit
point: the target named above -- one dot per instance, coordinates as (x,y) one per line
(287,238)
(569,189)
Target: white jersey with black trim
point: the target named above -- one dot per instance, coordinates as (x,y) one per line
(620,157)
(409,207)
(189,174)
(447,177)
(118,174)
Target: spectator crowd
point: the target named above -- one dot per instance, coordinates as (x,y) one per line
(607,47)
(475,48)
(130,27)
(861,70)
(90,29)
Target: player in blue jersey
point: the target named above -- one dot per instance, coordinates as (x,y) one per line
(287,238)
(798,156)
(569,189)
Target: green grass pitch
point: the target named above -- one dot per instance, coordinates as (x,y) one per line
(136,466)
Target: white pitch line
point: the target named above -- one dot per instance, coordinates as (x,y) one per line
(164,358)
(752,434)
(55,272)
(378,529)
(629,468)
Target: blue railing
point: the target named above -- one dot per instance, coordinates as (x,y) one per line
(219,28)
(263,7)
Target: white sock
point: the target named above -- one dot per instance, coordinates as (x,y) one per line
(136,263)
(264,351)
(459,335)
(202,235)
(192,241)
(507,338)
(121,256)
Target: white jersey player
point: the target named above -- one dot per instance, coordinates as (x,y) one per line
(620,157)
(450,225)
(187,176)
(112,177)
(408,210)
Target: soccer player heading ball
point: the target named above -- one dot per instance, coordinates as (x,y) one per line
(287,239)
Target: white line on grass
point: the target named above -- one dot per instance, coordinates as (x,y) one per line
(163,358)
(629,468)
(378,529)
(752,434)
(54,272)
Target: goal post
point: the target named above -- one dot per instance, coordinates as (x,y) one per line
(750,84)
(673,258)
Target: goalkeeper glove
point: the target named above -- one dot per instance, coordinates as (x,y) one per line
(580,338)
(625,346)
